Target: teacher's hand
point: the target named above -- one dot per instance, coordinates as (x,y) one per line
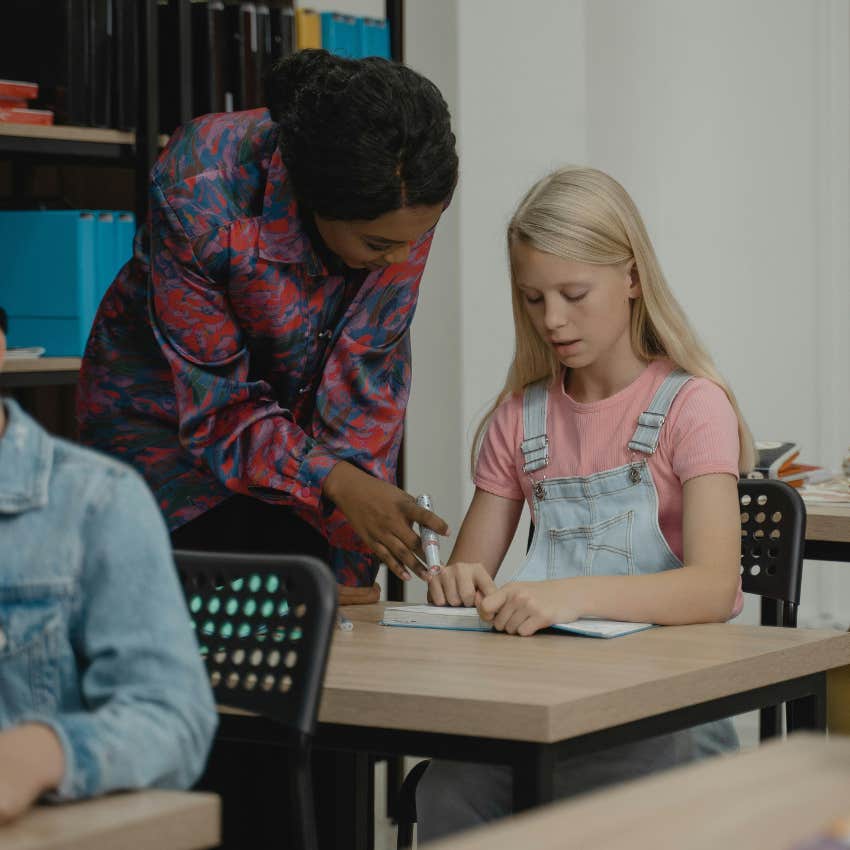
(383,517)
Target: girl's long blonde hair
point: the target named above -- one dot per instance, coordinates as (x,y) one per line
(584,215)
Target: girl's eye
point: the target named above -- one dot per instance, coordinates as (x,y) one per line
(372,247)
(574,298)
(533,299)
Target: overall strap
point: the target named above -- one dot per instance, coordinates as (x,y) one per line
(535,443)
(645,437)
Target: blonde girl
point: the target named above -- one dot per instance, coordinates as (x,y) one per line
(617,430)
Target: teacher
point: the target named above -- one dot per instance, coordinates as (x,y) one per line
(252,359)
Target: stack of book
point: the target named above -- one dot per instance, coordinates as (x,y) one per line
(84,54)
(15,97)
(778,460)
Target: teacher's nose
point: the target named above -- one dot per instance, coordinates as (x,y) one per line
(397,255)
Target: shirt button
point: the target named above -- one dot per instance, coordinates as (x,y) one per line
(3,640)
(302,390)
(325,334)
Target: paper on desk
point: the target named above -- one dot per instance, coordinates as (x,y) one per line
(448,617)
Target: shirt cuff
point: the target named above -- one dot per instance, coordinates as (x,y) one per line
(314,469)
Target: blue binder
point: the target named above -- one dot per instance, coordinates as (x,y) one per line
(374,37)
(48,281)
(104,255)
(340,34)
(115,231)
(125,233)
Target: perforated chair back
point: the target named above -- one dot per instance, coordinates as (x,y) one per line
(773,523)
(264,626)
(773,526)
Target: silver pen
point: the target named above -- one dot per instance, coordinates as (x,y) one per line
(430,539)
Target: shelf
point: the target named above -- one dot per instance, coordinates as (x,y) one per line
(40,372)
(66,140)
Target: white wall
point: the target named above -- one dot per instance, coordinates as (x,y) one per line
(729,122)
(434,418)
(517,98)
(711,115)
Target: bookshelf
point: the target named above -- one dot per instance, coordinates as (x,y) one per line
(66,141)
(40,372)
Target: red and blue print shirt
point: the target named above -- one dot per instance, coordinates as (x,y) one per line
(227,357)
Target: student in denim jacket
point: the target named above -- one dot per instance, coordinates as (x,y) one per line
(101,683)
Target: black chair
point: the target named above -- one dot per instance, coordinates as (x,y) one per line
(773,523)
(264,626)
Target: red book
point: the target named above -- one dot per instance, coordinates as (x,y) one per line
(13,103)
(18,89)
(26,116)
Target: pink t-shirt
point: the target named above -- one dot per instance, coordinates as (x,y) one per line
(699,436)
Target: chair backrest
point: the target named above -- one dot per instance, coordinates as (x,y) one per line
(264,625)
(773,524)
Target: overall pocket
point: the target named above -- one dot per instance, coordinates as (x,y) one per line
(31,640)
(604,548)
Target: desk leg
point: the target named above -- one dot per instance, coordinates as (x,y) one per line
(838,700)
(534,777)
(809,712)
(345,799)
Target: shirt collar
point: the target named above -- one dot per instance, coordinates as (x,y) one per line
(26,459)
(283,237)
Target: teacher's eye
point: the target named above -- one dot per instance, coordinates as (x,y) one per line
(532,299)
(573,298)
(380,249)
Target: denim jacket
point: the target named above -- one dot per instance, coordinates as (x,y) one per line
(95,639)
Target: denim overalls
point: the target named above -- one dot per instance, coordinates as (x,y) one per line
(607,524)
(602,524)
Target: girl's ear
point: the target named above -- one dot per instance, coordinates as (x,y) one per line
(634,286)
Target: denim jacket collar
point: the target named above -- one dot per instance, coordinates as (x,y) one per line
(26,458)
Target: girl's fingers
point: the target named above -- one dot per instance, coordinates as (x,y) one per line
(530,626)
(490,605)
(450,589)
(466,590)
(435,591)
(515,621)
(484,581)
(503,615)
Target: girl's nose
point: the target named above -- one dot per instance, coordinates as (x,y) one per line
(555,316)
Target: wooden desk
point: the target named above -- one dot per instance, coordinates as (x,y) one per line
(529,702)
(828,532)
(142,820)
(769,798)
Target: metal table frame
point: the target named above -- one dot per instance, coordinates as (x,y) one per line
(532,762)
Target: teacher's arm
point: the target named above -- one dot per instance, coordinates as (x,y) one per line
(359,416)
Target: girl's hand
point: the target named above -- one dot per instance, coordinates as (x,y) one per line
(460,584)
(522,608)
(383,517)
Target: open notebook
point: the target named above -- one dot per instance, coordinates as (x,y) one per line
(467,619)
